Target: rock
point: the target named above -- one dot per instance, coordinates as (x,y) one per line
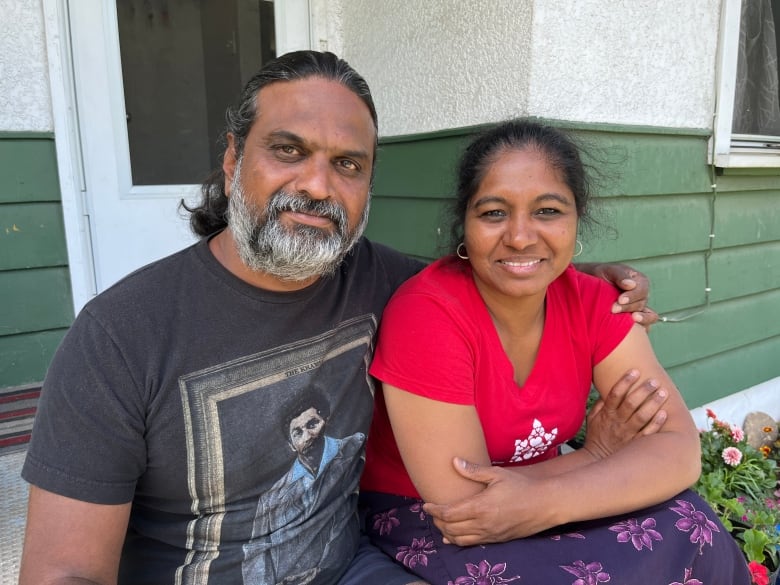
(760,429)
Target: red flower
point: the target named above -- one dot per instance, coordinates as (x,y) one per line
(711,415)
(758,573)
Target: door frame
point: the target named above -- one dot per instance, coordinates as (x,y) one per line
(293,29)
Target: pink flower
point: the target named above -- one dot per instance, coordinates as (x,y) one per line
(416,553)
(640,535)
(484,574)
(732,456)
(737,433)
(386,521)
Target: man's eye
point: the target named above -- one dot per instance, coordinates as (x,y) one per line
(286,149)
(349,165)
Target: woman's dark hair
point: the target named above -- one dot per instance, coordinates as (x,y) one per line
(558,148)
(209,216)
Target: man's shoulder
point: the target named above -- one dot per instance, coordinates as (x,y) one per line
(380,257)
(151,276)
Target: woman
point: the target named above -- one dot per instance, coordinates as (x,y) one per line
(487,356)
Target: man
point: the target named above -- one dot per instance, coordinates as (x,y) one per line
(322,465)
(150,451)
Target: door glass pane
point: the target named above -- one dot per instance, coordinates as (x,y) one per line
(183,63)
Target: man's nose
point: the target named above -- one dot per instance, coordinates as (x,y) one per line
(314,178)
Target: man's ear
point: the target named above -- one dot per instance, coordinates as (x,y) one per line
(229,161)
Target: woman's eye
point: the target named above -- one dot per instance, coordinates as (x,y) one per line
(548,211)
(493,213)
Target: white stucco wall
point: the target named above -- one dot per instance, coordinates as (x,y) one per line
(448,63)
(25,99)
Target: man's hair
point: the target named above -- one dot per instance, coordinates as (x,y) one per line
(309,398)
(210,215)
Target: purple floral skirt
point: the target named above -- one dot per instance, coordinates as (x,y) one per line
(678,542)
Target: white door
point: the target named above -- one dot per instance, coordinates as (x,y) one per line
(150,82)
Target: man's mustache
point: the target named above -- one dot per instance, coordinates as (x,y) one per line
(301,203)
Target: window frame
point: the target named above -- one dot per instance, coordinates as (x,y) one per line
(728,150)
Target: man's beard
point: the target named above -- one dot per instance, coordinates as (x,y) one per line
(294,253)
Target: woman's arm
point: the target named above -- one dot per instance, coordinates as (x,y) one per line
(429,434)
(649,469)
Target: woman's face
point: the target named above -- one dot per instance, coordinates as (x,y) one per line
(521,226)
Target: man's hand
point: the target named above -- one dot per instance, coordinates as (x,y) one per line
(635,287)
(496,514)
(630,409)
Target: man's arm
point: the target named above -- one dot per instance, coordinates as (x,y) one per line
(70,542)
(634,285)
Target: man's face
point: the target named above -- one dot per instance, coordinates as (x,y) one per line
(306,430)
(299,192)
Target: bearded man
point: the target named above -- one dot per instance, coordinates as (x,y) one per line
(157,431)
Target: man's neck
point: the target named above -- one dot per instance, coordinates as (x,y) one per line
(224,250)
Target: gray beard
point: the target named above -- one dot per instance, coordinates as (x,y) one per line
(294,254)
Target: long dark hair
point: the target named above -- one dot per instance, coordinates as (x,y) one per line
(209,216)
(559,149)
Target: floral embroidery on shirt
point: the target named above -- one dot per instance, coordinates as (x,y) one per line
(695,522)
(640,535)
(484,574)
(537,443)
(386,521)
(590,574)
(416,553)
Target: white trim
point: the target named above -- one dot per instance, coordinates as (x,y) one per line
(290,35)
(68,149)
(722,152)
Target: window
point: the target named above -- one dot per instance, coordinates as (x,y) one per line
(747,132)
(183,64)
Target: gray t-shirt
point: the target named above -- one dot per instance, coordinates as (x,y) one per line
(189,392)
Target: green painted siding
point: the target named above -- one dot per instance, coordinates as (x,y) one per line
(35,299)
(658,205)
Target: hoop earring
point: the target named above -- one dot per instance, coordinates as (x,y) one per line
(462,255)
(580,250)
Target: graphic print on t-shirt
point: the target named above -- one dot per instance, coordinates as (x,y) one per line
(274,445)
(537,443)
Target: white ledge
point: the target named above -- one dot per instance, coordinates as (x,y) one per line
(764,397)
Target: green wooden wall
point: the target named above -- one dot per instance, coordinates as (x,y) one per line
(661,201)
(35,297)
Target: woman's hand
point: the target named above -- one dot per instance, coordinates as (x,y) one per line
(631,409)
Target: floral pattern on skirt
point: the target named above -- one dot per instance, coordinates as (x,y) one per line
(678,542)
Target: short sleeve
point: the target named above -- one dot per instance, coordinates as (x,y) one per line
(88,435)
(425,347)
(605,329)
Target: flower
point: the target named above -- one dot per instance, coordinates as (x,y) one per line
(732,456)
(759,574)
(640,535)
(687,579)
(386,521)
(416,553)
(695,522)
(484,574)
(740,483)
(590,574)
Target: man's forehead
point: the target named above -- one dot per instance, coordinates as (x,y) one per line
(302,104)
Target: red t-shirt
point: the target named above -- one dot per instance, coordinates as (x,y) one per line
(437,340)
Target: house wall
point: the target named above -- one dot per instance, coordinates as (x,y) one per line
(657,210)
(35,299)
(442,64)
(637,80)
